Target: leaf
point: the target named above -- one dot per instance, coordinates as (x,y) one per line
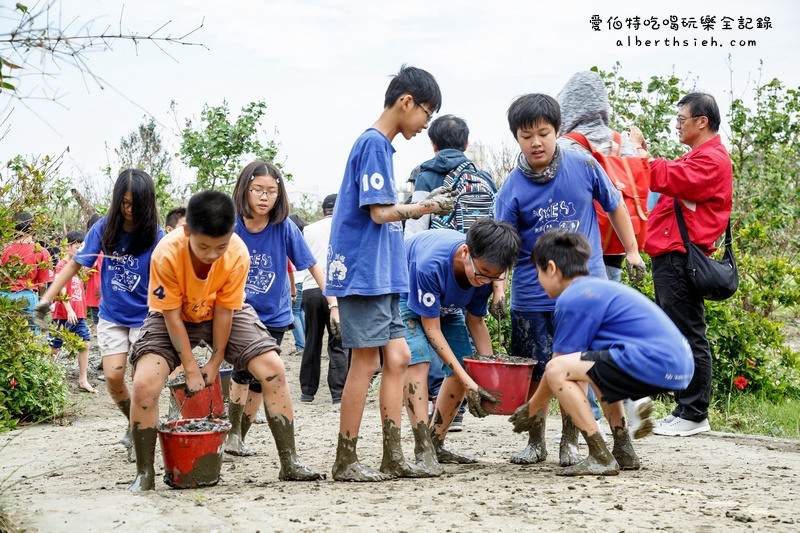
(22,7)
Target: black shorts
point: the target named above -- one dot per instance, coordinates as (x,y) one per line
(614,383)
(243,377)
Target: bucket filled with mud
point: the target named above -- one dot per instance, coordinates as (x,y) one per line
(207,402)
(504,377)
(192,450)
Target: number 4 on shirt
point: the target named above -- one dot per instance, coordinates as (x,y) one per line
(159,292)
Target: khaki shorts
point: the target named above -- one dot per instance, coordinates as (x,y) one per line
(114,339)
(249,338)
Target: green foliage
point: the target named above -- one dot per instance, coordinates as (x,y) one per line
(144,149)
(32,385)
(308,209)
(219,148)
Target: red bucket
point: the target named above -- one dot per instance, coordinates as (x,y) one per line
(192,458)
(199,405)
(508,382)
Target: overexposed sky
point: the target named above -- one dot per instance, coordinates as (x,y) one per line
(323,67)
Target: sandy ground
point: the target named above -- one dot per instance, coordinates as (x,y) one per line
(74,477)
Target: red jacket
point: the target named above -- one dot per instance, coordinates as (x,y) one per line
(703,181)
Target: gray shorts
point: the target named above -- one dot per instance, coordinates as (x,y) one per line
(370,321)
(249,338)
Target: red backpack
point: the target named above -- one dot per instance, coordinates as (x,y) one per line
(631,176)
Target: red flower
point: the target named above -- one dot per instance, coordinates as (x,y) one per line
(751,363)
(740,382)
(13,383)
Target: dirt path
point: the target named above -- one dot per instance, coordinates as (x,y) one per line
(74,478)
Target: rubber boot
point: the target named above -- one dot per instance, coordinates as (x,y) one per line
(291,468)
(234,443)
(346,466)
(144,442)
(127,439)
(394,462)
(599,463)
(424,451)
(568,453)
(536,450)
(623,449)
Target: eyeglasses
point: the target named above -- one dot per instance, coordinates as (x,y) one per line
(428,116)
(484,276)
(259,193)
(681,119)
(127,205)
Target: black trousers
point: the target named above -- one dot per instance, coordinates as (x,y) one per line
(686,309)
(315,306)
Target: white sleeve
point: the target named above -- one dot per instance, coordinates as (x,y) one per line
(422,223)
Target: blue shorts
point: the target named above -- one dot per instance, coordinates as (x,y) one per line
(80,329)
(455,331)
(532,337)
(370,321)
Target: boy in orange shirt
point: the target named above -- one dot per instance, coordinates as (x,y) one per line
(197,278)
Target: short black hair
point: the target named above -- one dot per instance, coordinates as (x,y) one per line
(420,84)
(23,222)
(92,221)
(531,109)
(497,243)
(703,105)
(210,213)
(569,250)
(280,210)
(74,236)
(174,216)
(449,131)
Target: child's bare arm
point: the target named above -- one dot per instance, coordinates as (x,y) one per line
(440,201)
(621,222)
(70,269)
(220,334)
(479,333)
(433,331)
(180,340)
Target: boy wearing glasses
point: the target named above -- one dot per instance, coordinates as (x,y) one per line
(550,188)
(449,273)
(367,271)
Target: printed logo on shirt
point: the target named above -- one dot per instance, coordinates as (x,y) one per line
(556,215)
(450,310)
(337,269)
(395,226)
(261,274)
(125,277)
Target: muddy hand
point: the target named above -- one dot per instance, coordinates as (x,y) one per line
(474,398)
(498,309)
(636,272)
(442,199)
(40,312)
(522,419)
(336,327)
(195,382)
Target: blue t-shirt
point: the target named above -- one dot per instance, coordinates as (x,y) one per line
(267,288)
(563,202)
(432,287)
(366,258)
(124,278)
(597,314)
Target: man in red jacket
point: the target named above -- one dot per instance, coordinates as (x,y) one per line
(702,181)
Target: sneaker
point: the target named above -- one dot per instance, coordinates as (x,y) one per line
(306,398)
(681,427)
(101,376)
(260,418)
(640,424)
(457,424)
(663,421)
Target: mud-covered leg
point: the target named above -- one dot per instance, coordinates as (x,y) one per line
(443,455)
(568,453)
(346,467)
(151,374)
(127,439)
(536,450)
(291,468)
(394,462)
(599,463)
(424,452)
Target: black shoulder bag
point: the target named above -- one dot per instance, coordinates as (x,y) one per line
(714,280)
